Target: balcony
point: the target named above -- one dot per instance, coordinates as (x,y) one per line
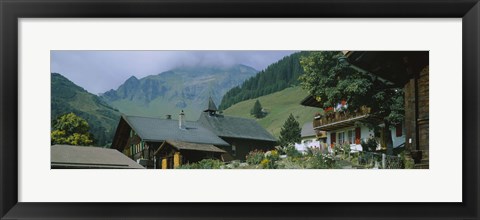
(337,120)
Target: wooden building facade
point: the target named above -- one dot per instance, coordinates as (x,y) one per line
(409,70)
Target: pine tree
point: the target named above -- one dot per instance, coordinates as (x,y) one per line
(256,111)
(290,132)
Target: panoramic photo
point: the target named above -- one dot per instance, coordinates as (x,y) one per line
(239,109)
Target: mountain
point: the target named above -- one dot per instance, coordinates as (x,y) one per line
(279,105)
(68,97)
(183,88)
(276,77)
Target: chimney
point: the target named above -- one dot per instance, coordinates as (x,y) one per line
(168,116)
(181,120)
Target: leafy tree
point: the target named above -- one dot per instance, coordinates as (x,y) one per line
(71,129)
(257,110)
(330,83)
(290,132)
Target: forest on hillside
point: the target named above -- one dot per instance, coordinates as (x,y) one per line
(274,78)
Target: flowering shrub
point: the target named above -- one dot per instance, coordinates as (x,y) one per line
(291,163)
(328,110)
(254,157)
(345,148)
(310,151)
(266,163)
(320,161)
(203,164)
(270,159)
(272,155)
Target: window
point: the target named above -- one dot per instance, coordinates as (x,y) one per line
(351,137)
(341,137)
(234,150)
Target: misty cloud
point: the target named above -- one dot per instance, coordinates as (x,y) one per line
(100,71)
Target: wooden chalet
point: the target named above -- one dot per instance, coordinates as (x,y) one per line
(167,143)
(242,134)
(149,141)
(404,69)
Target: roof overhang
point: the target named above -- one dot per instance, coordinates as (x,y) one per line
(311,102)
(347,123)
(91,166)
(395,66)
(180,145)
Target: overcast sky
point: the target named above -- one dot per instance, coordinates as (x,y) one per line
(100,71)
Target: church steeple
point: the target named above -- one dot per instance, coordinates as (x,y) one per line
(211,108)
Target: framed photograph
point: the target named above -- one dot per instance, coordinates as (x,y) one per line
(266,109)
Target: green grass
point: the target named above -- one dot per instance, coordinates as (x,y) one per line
(279,105)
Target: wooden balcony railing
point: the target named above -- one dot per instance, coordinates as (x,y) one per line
(339,116)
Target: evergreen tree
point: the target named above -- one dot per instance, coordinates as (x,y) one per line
(290,132)
(274,78)
(71,129)
(256,111)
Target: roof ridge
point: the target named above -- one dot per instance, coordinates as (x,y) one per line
(229,116)
(138,116)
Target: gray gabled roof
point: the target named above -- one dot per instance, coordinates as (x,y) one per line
(307,130)
(67,156)
(180,145)
(235,127)
(156,129)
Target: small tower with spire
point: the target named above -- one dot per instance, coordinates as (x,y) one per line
(211,108)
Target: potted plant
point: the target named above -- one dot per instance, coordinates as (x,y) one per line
(329,112)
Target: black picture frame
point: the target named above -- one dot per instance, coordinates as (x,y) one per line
(12,10)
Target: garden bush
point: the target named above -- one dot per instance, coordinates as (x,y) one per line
(203,164)
(270,159)
(255,157)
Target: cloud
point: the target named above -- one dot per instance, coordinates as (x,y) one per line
(100,71)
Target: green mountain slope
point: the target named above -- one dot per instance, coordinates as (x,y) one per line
(185,88)
(276,77)
(279,105)
(68,97)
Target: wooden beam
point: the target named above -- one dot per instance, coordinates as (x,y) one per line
(159,148)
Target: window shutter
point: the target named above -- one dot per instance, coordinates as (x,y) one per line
(357,136)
